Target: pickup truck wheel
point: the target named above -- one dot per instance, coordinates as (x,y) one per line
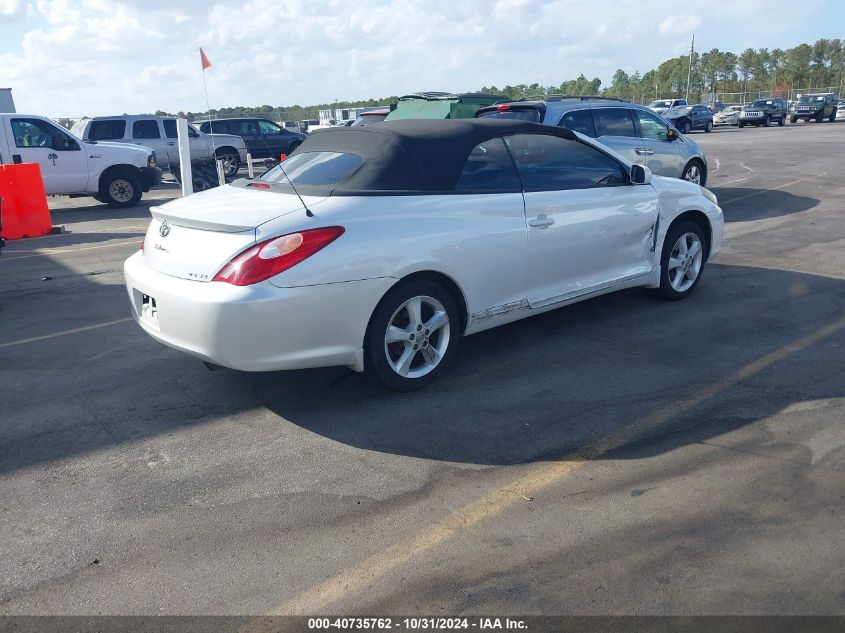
(122,190)
(231,162)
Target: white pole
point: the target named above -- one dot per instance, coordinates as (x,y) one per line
(221,178)
(184,156)
(249,169)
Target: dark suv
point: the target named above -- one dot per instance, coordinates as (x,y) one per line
(815,106)
(762,112)
(639,134)
(263,138)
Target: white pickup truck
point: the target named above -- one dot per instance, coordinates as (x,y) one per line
(160,134)
(110,172)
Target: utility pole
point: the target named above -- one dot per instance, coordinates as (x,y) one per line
(689,72)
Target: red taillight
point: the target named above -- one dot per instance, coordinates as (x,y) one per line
(259,185)
(503,107)
(276,255)
(283,157)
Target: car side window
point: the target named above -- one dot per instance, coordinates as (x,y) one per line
(651,126)
(579,121)
(267,127)
(247,128)
(552,163)
(613,122)
(108,130)
(38,133)
(489,168)
(145,128)
(170,128)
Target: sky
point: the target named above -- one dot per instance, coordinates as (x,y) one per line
(69,58)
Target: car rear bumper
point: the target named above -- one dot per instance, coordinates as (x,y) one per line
(254,328)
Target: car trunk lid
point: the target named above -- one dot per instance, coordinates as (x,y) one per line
(194,237)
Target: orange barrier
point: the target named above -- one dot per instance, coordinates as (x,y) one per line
(24,208)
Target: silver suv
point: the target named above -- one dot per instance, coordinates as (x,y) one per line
(640,135)
(159,133)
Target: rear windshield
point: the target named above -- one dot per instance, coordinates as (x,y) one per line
(315,169)
(520,114)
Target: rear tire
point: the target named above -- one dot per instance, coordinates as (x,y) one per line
(782,121)
(793,119)
(694,173)
(412,336)
(832,116)
(681,261)
(708,127)
(121,191)
(231,162)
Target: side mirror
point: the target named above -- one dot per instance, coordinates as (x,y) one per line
(640,175)
(671,134)
(59,142)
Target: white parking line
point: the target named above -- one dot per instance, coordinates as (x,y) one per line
(64,333)
(762,191)
(744,166)
(61,251)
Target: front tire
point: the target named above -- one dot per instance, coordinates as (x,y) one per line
(765,122)
(708,127)
(793,119)
(740,124)
(682,261)
(832,116)
(121,191)
(685,127)
(782,121)
(412,336)
(820,117)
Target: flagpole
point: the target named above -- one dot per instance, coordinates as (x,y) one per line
(689,72)
(208,112)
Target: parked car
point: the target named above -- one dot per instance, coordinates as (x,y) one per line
(263,138)
(728,116)
(634,131)
(441,105)
(371,116)
(110,172)
(762,112)
(818,107)
(661,105)
(716,106)
(690,117)
(409,235)
(840,110)
(159,133)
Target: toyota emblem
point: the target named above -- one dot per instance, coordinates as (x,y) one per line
(164,229)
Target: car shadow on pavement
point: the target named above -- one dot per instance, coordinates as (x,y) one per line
(539,389)
(552,385)
(740,204)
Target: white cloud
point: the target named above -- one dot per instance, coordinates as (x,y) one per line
(76,57)
(680,24)
(11,10)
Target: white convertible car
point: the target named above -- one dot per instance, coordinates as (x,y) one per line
(378,247)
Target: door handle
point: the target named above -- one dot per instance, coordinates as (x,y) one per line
(541,221)
(171,143)
(644,152)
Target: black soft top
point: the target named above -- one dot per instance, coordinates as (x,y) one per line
(413,155)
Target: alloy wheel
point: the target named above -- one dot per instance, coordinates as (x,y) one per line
(417,337)
(685,262)
(693,174)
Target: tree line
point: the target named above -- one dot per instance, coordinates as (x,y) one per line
(776,72)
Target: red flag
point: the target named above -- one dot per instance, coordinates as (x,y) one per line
(204,59)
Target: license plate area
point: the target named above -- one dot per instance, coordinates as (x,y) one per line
(147,308)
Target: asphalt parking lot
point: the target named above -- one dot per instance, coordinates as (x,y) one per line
(619,456)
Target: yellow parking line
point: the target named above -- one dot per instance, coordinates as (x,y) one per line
(762,191)
(34,339)
(369,571)
(62,251)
